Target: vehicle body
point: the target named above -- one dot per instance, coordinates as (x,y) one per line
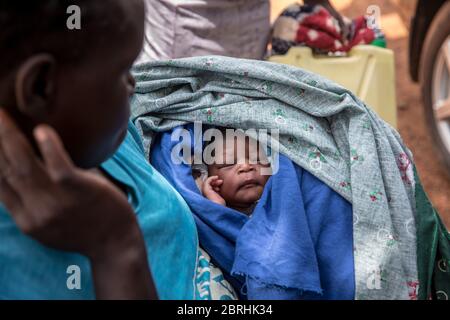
(429,64)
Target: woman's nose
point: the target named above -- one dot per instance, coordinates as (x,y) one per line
(131,84)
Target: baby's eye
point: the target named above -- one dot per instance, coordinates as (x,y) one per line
(225,166)
(264,164)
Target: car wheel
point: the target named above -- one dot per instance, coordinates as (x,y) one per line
(434,79)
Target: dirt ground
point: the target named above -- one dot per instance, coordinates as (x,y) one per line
(395,22)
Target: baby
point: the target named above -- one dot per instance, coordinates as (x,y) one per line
(237,179)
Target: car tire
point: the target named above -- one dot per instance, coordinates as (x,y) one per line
(437,34)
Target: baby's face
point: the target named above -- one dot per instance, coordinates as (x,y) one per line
(243,181)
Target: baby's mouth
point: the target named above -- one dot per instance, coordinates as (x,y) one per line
(249,184)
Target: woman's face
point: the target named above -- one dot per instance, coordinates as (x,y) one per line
(87,101)
(92,102)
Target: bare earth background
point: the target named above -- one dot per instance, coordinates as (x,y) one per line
(395,20)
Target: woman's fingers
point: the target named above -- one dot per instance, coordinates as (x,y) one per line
(21,178)
(15,148)
(7,195)
(57,161)
(21,168)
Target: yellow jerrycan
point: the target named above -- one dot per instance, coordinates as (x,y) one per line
(368,71)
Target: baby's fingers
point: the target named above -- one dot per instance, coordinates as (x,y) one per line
(211,189)
(207,184)
(210,180)
(216,182)
(212,184)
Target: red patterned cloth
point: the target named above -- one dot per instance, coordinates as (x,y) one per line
(315,27)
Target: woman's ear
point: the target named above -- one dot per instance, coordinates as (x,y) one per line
(35,85)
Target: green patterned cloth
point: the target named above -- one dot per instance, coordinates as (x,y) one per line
(325,129)
(433,249)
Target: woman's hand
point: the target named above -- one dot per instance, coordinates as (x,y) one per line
(211,189)
(71,209)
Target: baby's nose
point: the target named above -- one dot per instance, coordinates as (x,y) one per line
(245,167)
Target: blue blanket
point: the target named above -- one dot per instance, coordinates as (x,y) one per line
(298,243)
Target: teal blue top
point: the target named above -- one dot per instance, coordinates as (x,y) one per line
(29,270)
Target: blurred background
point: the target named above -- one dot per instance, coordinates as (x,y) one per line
(395,22)
(349,52)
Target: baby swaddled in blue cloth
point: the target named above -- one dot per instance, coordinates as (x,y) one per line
(237,179)
(285,236)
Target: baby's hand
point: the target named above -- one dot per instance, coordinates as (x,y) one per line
(211,189)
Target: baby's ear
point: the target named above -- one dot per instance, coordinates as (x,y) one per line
(35,85)
(196,173)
